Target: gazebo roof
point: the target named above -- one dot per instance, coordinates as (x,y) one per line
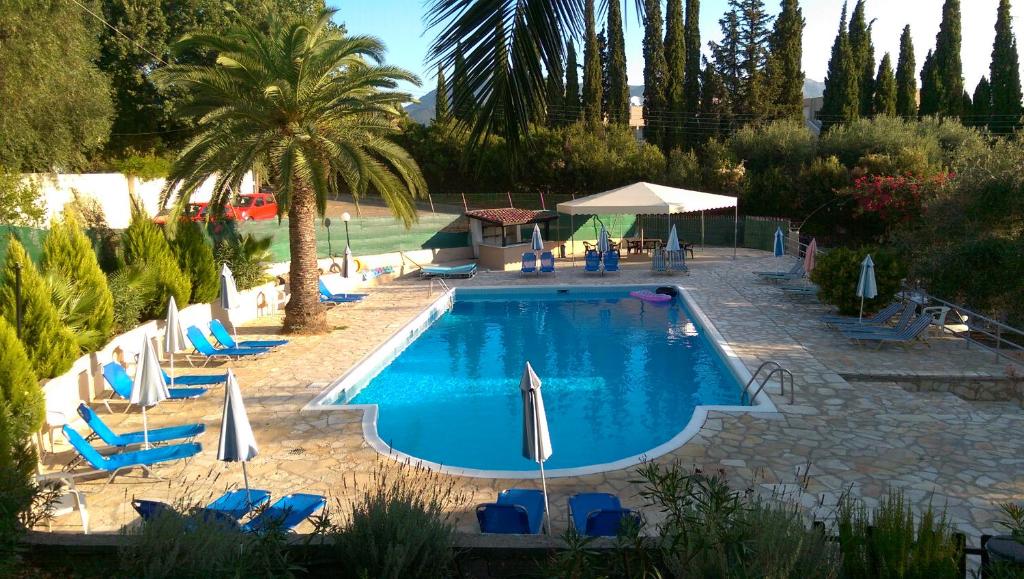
(511,216)
(646,199)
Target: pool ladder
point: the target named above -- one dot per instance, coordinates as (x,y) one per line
(773,368)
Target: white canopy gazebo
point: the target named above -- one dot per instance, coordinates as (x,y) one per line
(651,199)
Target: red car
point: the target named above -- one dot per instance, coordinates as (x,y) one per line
(254,207)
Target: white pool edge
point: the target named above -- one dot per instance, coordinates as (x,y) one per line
(410,331)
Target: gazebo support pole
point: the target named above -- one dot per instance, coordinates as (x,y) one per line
(572,238)
(735,229)
(702,232)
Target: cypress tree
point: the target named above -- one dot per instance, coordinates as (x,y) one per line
(675,83)
(1005,75)
(21,400)
(981,105)
(195,258)
(947,63)
(592,83)
(726,59)
(602,47)
(841,100)
(753,26)
(864,57)
(618,83)
(714,110)
(554,97)
(50,346)
(573,107)
(885,89)
(931,87)
(68,253)
(462,96)
(146,247)
(785,75)
(441,108)
(691,82)
(906,77)
(655,74)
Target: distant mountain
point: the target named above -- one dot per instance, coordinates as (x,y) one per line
(423,111)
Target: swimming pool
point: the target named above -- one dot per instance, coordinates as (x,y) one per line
(622,379)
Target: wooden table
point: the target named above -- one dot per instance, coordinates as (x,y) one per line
(645,246)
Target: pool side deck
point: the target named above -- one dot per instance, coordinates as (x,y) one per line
(854,421)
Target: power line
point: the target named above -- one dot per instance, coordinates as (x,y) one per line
(123,35)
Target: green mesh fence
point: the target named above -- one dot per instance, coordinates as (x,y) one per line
(30,237)
(753,232)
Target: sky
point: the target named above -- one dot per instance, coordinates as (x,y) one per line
(399,23)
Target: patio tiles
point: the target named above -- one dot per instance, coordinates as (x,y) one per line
(860,437)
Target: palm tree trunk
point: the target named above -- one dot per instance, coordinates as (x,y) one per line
(304,313)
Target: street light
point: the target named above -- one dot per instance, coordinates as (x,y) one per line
(348,251)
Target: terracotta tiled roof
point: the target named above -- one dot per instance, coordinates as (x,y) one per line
(511,216)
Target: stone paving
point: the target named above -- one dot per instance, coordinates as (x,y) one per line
(852,436)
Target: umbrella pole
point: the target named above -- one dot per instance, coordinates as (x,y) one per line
(171,356)
(539,450)
(544,485)
(145,429)
(860,318)
(245,478)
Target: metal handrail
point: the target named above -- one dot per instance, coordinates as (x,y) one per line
(777,368)
(990,328)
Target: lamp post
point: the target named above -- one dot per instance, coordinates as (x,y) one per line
(17,298)
(348,251)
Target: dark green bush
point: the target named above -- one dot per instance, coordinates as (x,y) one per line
(145,246)
(248,257)
(195,258)
(838,272)
(133,289)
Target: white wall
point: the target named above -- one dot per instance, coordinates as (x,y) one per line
(110,190)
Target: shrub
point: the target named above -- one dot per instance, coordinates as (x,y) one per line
(69,259)
(888,544)
(145,246)
(145,167)
(683,170)
(400,526)
(838,272)
(780,144)
(133,290)
(50,346)
(21,202)
(248,257)
(195,257)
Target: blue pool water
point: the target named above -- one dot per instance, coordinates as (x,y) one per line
(620,377)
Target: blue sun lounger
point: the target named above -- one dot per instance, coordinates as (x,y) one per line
(143,459)
(902,336)
(906,317)
(459,271)
(196,380)
(880,318)
(677,261)
(611,262)
(330,298)
(286,513)
(517,512)
(224,338)
(592,262)
(797,271)
(547,262)
(207,352)
(155,435)
(234,505)
(121,383)
(529,264)
(599,514)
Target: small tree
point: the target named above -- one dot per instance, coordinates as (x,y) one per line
(195,258)
(838,271)
(50,346)
(145,246)
(68,254)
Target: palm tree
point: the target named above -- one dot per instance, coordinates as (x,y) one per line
(307,105)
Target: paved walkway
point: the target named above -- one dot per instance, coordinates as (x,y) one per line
(859,437)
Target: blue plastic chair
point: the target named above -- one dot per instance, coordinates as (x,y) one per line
(599,514)
(658,263)
(225,339)
(517,512)
(904,321)
(155,436)
(234,504)
(592,262)
(892,335)
(547,262)
(611,262)
(121,384)
(529,263)
(328,298)
(286,513)
(143,459)
(677,261)
(207,352)
(197,380)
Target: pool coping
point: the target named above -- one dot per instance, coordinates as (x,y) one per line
(410,331)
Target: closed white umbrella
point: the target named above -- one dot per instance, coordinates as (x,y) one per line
(174,338)
(866,286)
(602,240)
(229,298)
(673,240)
(148,387)
(811,256)
(237,443)
(537,242)
(536,439)
(779,248)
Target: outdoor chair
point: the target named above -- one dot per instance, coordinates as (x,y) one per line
(121,384)
(454,272)
(206,352)
(286,513)
(688,248)
(592,262)
(599,514)
(658,262)
(331,298)
(677,261)
(234,505)
(611,262)
(881,317)
(143,459)
(196,380)
(529,263)
(517,512)
(797,271)
(547,262)
(906,317)
(224,338)
(902,336)
(154,436)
